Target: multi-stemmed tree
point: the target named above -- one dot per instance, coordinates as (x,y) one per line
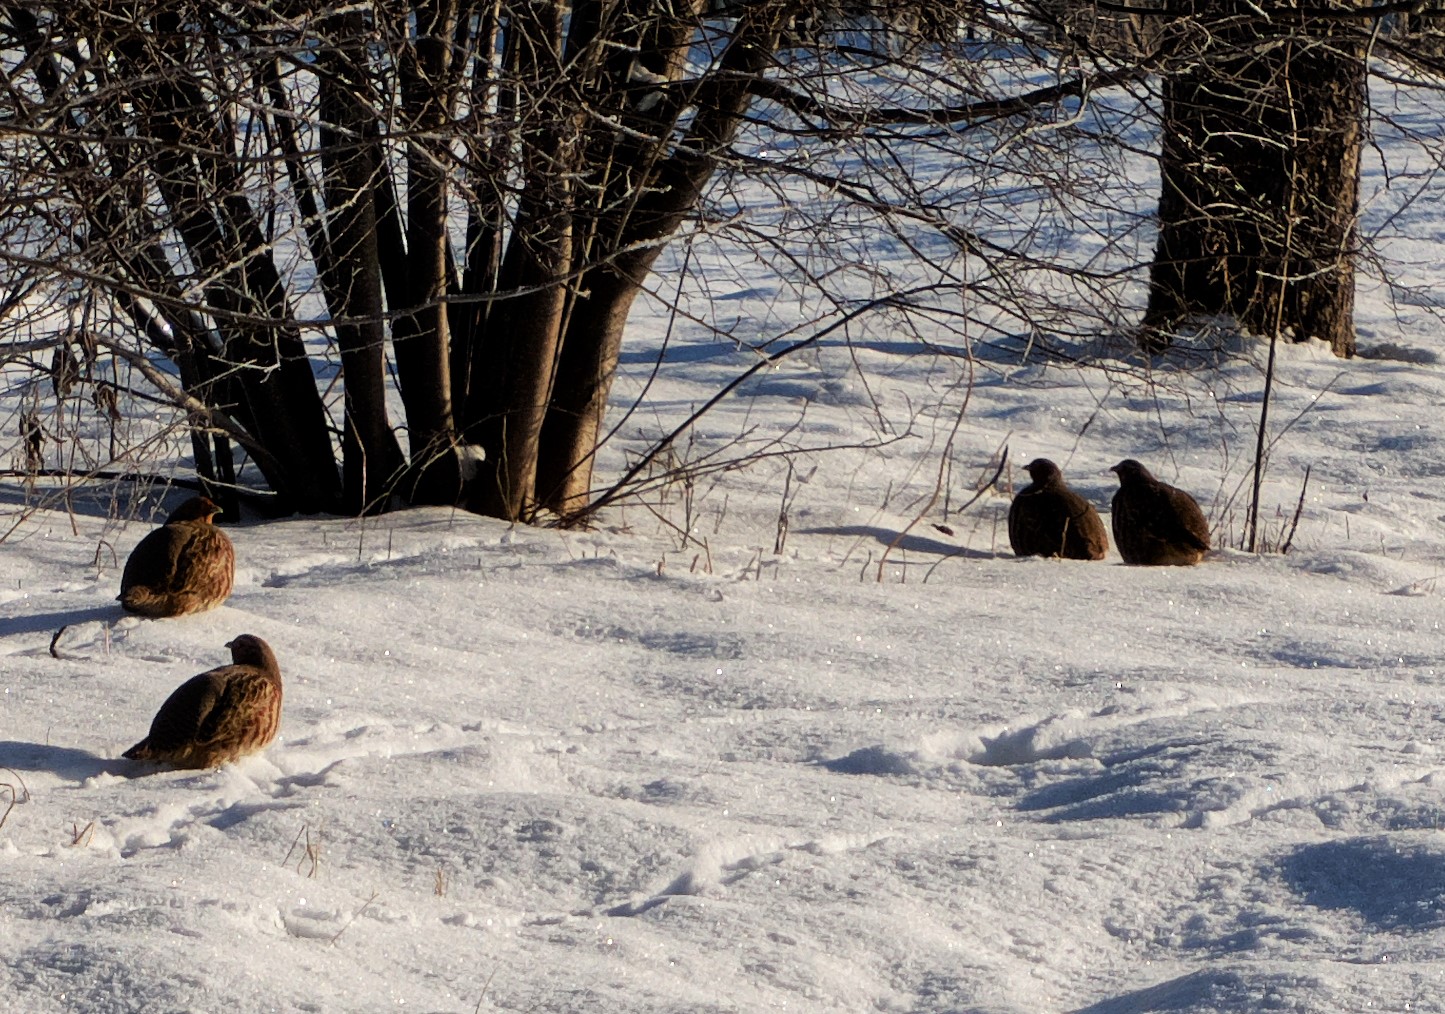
(477,189)
(456,201)
(390,250)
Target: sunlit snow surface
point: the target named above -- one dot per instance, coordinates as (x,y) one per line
(888,769)
(543,771)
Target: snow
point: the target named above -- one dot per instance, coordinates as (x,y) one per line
(549,771)
(657,766)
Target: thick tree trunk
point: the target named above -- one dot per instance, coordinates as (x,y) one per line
(420,336)
(634,208)
(118,238)
(643,202)
(271,388)
(568,448)
(348,262)
(507,398)
(1260,180)
(523,338)
(487,153)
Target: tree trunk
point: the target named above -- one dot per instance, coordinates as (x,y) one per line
(271,387)
(420,335)
(1260,180)
(348,263)
(568,446)
(487,153)
(643,202)
(508,394)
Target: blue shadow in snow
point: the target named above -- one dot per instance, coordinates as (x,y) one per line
(1122,788)
(98,500)
(239,813)
(722,350)
(690,352)
(1198,991)
(66,762)
(870,760)
(909,543)
(1393,885)
(40,623)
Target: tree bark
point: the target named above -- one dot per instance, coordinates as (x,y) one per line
(348,262)
(1260,179)
(645,199)
(507,400)
(420,334)
(272,386)
(488,152)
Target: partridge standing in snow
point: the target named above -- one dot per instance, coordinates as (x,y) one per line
(1154,522)
(185,566)
(1047,518)
(219,715)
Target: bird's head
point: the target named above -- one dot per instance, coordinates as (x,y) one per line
(1041,470)
(1130,470)
(248,649)
(197,508)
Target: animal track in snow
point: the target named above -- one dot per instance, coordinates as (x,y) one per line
(221,800)
(1061,737)
(720,865)
(706,643)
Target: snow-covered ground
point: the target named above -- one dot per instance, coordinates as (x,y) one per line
(661,766)
(534,770)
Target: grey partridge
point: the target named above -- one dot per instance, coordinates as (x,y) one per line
(187,565)
(1047,518)
(1155,523)
(220,715)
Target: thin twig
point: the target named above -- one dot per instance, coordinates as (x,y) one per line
(618,488)
(1252,524)
(6,815)
(485,986)
(1298,510)
(294,842)
(353,918)
(23,796)
(971,501)
(938,484)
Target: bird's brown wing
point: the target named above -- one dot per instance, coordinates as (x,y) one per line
(188,711)
(1018,527)
(152,563)
(1085,538)
(1130,524)
(246,716)
(205,562)
(1174,518)
(235,698)
(1035,527)
(1189,526)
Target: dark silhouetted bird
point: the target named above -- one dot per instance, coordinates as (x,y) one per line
(219,715)
(185,566)
(1156,523)
(1047,518)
